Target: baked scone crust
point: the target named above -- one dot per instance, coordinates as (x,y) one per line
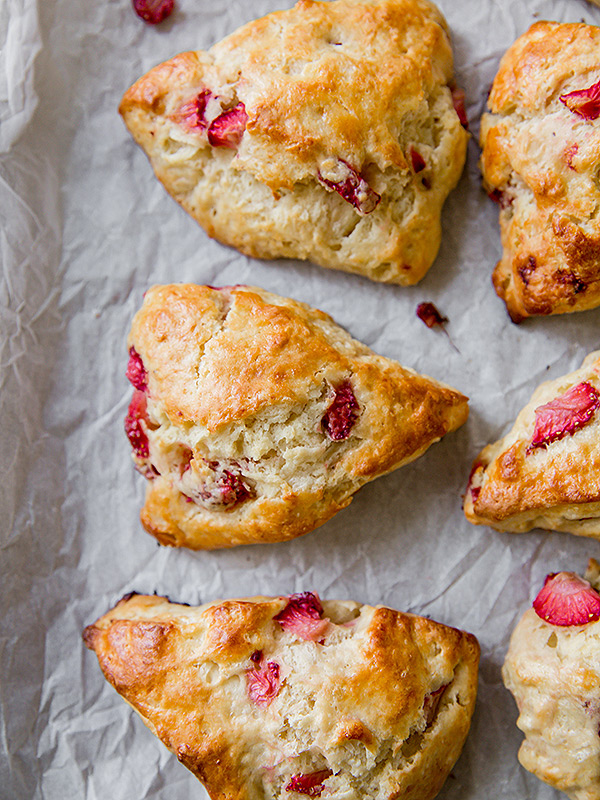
(514,488)
(540,162)
(360,83)
(554,675)
(383,701)
(241,379)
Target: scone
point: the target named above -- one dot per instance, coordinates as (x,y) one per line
(266,698)
(326,132)
(541,146)
(545,473)
(255,418)
(553,670)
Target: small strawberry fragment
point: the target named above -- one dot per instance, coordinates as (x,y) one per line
(566,599)
(431,704)
(417,161)
(134,428)
(584,102)
(354,189)
(136,372)
(302,616)
(458,101)
(263,681)
(429,314)
(564,415)
(228,128)
(340,417)
(153,11)
(310,784)
(232,488)
(502,198)
(191,115)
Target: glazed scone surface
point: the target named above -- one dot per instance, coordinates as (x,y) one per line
(253,136)
(255,700)
(540,163)
(516,486)
(259,417)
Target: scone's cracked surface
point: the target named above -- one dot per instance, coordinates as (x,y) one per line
(540,163)
(553,671)
(545,473)
(327,132)
(266,698)
(255,418)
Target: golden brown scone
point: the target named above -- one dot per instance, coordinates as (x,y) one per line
(553,670)
(541,146)
(256,418)
(325,132)
(281,697)
(545,473)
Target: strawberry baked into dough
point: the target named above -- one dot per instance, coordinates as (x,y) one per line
(274,698)
(331,132)
(545,473)
(553,670)
(256,418)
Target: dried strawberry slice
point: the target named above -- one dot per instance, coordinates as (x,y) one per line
(564,415)
(227,129)
(136,372)
(458,101)
(566,599)
(417,161)
(191,114)
(354,189)
(302,616)
(134,428)
(584,102)
(153,11)
(341,415)
(263,681)
(310,783)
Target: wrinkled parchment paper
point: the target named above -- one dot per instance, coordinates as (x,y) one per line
(86,229)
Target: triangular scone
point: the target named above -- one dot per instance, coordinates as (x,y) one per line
(546,472)
(325,132)
(266,698)
(256,418)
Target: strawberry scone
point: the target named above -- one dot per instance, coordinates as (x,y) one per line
(545,473)
(331,132)
(541,144)
(553,670)
(273,698)
(256,418)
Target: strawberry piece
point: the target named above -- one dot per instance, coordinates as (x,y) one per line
(136,372)
(310,784)
(584,102)
(566,599)
(134,428)
(354,189)
(263,681)
(458,101)
(429,314)
(431,704)
(191,114)
(417,160)
(502,198)
(153,11)
(232,488)
(341,415)
(564,415)
(302,616)
(227,129)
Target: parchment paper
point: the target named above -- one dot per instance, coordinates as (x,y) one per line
(86,229)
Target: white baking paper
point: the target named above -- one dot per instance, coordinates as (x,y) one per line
(86,229)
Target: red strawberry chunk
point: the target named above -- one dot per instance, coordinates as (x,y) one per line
(417,160)
(136,372)
(502,198)
(341,415)
(263,682)
(191,114)
(429,314)
(310,784)
(227,129)
(566,599)
(232,488)
(302,616)
(354,189)
(564,415)
(431,704)
(134,427)
(584,102)
(153,11)
(458,101)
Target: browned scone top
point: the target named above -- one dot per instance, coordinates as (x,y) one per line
(517,484)
(259,417)
(261,697)
(253,136)
(540,162)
